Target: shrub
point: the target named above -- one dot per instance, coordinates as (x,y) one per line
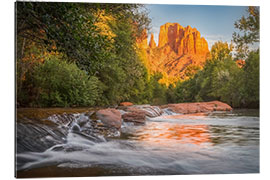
(59,83)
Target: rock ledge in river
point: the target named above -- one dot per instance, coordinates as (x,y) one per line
(110,117)
(135,117)
(187,108)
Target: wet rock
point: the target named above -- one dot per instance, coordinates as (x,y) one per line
(76,128)
(110,117)
(187,108)
(126,104)
(90,113)
(38,137)
(136,117)
(152,111)
(146,110)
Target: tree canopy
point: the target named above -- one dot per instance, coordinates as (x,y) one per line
(249,28)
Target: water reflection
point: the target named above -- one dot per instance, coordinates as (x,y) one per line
(171,134)
(199,129)
(201,116)
(234,135)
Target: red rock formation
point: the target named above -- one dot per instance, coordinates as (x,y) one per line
(110,117)
(125,104)
(182,40)
(179,49)
(152,43)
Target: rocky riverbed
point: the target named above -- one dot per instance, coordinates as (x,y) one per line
(127,140)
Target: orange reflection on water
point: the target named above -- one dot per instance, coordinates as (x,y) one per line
(170,134)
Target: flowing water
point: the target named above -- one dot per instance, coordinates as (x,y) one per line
(171,144)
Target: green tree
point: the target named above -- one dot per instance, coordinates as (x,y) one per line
(249,31)
(58,83)
(221,50)
(187,90)
(252,80)
(227,82)
(158,91)
(171,94)
(124,75)
(68,26)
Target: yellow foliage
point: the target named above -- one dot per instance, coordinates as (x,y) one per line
(221,50)
(33,54)
(102,24)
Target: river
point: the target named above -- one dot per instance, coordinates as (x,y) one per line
(171,144)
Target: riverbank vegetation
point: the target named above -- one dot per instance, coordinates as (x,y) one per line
(82,54)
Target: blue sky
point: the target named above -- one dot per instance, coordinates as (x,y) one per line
(214,22)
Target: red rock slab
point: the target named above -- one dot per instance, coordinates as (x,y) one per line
(199,107)
(136,117)
(110,117)
(126,104)
(149,111)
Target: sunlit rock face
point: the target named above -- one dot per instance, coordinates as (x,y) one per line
(180,52)
(152,43)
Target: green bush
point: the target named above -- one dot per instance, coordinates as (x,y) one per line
(59,83)
(252,80)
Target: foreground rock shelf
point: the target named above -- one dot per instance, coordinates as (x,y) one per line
(41,128)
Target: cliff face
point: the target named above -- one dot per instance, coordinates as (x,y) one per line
(180,52)
(182,40)
(152,43)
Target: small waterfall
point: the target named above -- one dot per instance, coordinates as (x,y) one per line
(59,132)
(151,111)
(168,111)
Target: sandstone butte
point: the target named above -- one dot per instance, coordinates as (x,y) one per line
(180,52)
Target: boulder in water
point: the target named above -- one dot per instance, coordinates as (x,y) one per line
(110,117)
(136,117)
